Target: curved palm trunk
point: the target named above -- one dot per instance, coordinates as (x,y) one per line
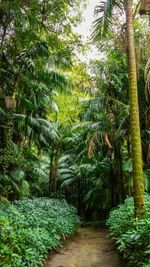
(134,116)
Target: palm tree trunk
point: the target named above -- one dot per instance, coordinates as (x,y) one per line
(8,131)
(56,170)
(51,174)
(134,116)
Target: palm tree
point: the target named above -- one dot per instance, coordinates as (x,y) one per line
(134,116)
(101,30)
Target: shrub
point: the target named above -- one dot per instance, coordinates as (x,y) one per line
(132,237)
(30,228)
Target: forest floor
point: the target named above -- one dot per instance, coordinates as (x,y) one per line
(89,248)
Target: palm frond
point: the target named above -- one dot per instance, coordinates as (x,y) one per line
(4,178)
(27,104)
(65,170)
(17,175)
(55,106)
(2,112)
(15,186)
(46,131)
(102,24)
(32,122)
(67,182)
(40,49)
(43,141)
(127,165)
(24,188)
(56,79)
(40,173)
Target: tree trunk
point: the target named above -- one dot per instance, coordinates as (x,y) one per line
(10,109)
(111,183)
(51,174)
(56,170)
(119,173)
(10,104)
(134,116)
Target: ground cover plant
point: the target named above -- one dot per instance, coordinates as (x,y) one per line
(132,236)
(31,227)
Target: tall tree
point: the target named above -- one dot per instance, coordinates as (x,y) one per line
(102,25)
(134,115)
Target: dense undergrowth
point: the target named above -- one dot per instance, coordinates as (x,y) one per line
(30,228)
(132,236)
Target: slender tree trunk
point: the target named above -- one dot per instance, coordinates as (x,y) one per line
(79,197)
(8,132)
(56,170)
(51,174)
(112,193)
(134,116)
(119,173)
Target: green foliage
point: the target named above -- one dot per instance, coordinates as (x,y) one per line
(36,63)
(132,237)
(84,173)
(103,24)
(14,181)
(12,157)
(30,228)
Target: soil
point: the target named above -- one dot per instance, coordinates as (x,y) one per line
(89,248)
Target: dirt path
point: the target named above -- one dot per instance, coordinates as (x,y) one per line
(90,248)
